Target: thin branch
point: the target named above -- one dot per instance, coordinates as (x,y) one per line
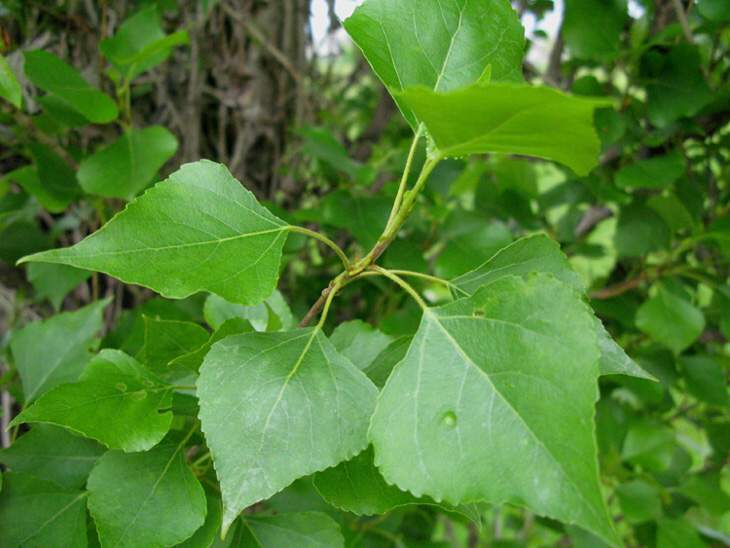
(403,284)
(325,240)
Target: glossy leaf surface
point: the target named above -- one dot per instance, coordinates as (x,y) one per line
(199,230)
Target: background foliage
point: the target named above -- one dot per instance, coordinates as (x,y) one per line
(113,96)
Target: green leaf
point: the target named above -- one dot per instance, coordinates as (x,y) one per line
(123,168)
(537,253)
(54,351)
(55,281)
(640,231)
(53,454)
(60,112)
(714,10)
(53,75)
(10,89)
(274,311)
(670,320)
(675,84)
(319,143)
(36,512)
(540,253)
(705,377)
(510,119)
(165,340)
(440,45)
(359,342)
(159,502)
(657,172)
(477,408)
(467,239)
(301,529)
(640,501)
(598,41)
(677,533)
(379,370)
(55,185)
(116,402)
(140,43)
(206,536)
(278,406)
(649,445)
(356,486)
(194,359)
(199,230)
(706,489)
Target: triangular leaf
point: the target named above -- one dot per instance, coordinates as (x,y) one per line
(116,402)
(278,406)
(494,401)
(199,230)
(510,119)
(9,86)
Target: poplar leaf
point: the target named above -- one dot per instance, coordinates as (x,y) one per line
(510,119)
(199,230)
(116,401)
(159,502)
(494,401)
(442,45)
(278,406)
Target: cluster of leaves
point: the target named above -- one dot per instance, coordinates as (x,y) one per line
(488,401)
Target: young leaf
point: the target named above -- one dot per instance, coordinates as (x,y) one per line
(140,43)
(55,281)
(36,512)
(53,454)
(199,230)
(510,119)
(477,409)
(440,45)
(116,402)
(301,529)
(165,340)
(126,166)
(159,502)
(53,75)
(54,351)
(356,486)
(9,86)
(278,406)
